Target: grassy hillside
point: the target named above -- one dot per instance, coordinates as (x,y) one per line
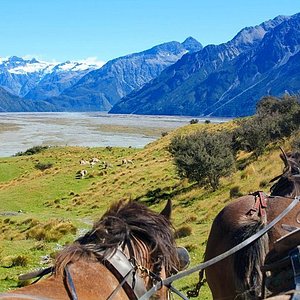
(40,211)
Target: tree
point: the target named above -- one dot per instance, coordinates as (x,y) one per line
(253,135)
(203,157)
(275,119)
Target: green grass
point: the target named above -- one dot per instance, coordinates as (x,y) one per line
(30,197)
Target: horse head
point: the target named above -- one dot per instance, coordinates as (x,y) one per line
(288,183)
(131,235)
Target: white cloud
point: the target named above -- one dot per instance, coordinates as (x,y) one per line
(93,60)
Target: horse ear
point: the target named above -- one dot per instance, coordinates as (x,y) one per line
(167,210)
(283,156)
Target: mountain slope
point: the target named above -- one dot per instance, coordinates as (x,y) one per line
(12,103)
(225,80)
(62,76)
(100,89)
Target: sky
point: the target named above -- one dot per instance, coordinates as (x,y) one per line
(100,30)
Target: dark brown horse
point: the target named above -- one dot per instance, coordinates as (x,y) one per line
(128,250)
(239,276)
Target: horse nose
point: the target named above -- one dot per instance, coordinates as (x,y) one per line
(184,258)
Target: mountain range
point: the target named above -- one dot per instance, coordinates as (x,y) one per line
(73,86)
(228,79)
(169,79)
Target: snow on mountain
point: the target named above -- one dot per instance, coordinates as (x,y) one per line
(22,77)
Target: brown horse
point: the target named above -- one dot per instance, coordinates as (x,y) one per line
(239,276)
(127,251)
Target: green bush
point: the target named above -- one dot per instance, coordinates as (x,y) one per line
(183,231)
(194,121)
(20,260)
(275,118)
(296,141)
(33,150)
(235,192)
(43,166)
(203,157)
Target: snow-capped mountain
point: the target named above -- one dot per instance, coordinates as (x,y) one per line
(102,88)
(61,77)
(33,79)
(169,79)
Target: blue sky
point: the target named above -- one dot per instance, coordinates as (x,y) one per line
(63,30)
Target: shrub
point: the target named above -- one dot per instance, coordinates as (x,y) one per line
(20,260)
(235,192)
(296,141)
(194,121)
(183,231)
(275,119)
(203,157)
(33,150)
(264,183)
(43,166)
(51,231)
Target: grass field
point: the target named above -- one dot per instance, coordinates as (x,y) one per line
(41,211)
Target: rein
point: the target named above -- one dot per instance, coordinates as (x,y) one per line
(169,280)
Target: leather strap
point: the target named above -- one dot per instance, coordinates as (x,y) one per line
(260,204)
(71,285)
(119,265)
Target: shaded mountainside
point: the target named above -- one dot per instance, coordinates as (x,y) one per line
(228,79)
(101,89)
(12,103)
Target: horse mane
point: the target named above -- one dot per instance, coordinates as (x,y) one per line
(128,224)
(288,183)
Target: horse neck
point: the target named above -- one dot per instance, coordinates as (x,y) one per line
(286,187)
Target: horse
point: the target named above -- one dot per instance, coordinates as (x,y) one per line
(239,276)
(127,251)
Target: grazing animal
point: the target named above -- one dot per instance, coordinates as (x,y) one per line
(94,159)
(81,174)
(239,275)
(126,161)
(92,163)
(106,165)
(127,251)
(83,162)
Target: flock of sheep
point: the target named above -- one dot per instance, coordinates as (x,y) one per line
(93,161)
